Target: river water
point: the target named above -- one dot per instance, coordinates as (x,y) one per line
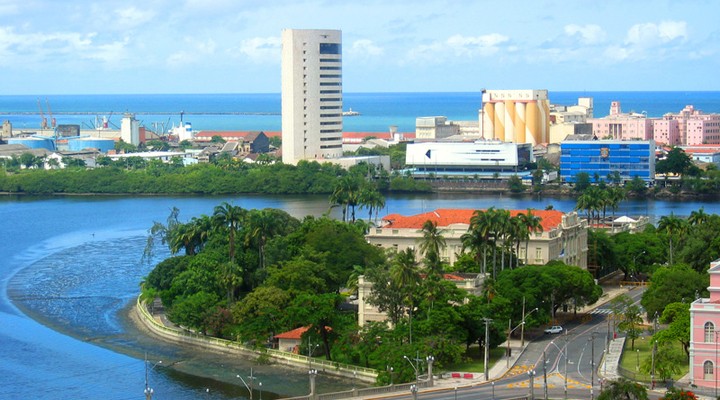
(70,269)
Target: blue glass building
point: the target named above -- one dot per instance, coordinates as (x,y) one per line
(600,158)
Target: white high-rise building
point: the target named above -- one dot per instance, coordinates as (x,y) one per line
(311,95)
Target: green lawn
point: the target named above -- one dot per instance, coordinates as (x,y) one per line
(630,357)
(474,360)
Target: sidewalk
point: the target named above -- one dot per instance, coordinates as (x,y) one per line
(503,366)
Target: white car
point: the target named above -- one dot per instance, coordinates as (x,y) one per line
(554,329)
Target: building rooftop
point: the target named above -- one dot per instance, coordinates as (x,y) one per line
(445,217)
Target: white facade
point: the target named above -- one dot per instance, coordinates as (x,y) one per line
(478,154)
(311,95)
(130,129)
(434,128)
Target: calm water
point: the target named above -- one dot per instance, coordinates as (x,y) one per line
(379,110)
(72,267)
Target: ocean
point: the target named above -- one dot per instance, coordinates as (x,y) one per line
(249,112)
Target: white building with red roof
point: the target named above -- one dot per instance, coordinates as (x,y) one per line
(564,236)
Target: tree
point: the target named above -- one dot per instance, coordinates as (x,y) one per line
(623,389)
(676,162)
(229,217)
(431,246)
(320,312)
(677,316)
(515,184)
(533,224)
(671,225)
(582,181)
(697,217)
(670,285)
(476,239)
(637,186)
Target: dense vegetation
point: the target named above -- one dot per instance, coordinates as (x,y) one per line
(136,175)
(249,274)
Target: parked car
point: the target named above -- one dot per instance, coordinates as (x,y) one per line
(554,329)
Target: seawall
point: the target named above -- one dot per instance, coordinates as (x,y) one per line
(155,325)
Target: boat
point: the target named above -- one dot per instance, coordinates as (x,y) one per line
(350,113)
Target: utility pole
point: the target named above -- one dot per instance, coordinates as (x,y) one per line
(545,374)
(487,345)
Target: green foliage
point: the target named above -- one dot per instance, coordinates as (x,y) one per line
(195,310)
(676,162)
(677,316)
(672,284)
(582,182)
(637,186)
(674,393)
(515,184)
(623,389)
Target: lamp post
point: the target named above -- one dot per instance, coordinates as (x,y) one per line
(430,359)
(545,376)
(592,363)
(248,387)
(148,390)
(260,385)
(652,368)
(637,366)
(563,351)
(390,371)
(414,368)
(493,390)
(414,390)
(312,374)
(531,388)
(522,324)
(487,340)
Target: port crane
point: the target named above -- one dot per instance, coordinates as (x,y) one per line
(52,119)
(43,120)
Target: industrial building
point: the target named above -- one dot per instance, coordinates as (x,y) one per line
(312,103)
(484,159)
(517,116)
(601,158)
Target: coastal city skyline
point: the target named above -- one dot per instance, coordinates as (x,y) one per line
(81,47)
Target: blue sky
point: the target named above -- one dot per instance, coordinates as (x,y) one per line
(233,46)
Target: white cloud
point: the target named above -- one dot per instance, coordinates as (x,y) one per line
(260,49)
(366,48)
(587,34)
(112,53)
(650,34)
(131,17)
(194,51)
(461,46)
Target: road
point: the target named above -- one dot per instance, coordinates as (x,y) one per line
(566,365)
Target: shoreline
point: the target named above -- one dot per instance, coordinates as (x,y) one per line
(155,325)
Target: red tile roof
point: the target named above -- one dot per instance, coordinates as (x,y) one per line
(293,334)
(445,217)
(235,134)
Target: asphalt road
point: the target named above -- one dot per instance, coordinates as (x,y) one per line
(552,366)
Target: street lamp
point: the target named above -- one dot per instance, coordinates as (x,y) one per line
(148,390)
(248,387)
(390,370)
(637,366)
(312,374)
(563,351)
(414,390)
(430,359)
(522,330)
(592,363)
(487,345)
(413,367)
(260,385)
(531,388)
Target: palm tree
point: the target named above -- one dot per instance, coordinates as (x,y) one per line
(404,274)
(373,200)
(478,235)
(616,195)
(500,228)
(346,193)
(520,234)
(698,217)
(261,225)
(230,217)
(533,223)
(672,225)
(431,245)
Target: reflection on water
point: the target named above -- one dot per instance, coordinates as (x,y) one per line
(74,264)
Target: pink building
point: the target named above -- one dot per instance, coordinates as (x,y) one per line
(620,126)
(705,334)
(697,127)
(667,131)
